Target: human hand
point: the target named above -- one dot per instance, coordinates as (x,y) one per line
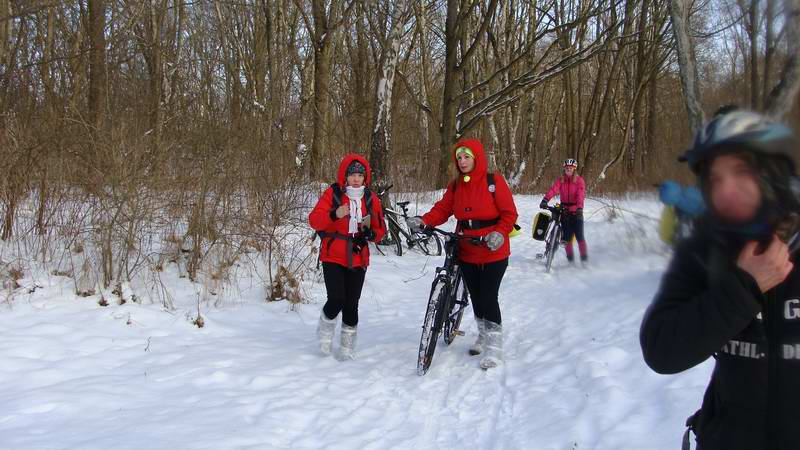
(494,240)
(342,211)
(770,267)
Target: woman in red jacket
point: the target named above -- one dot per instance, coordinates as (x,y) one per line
(486,210)
(571,190)
(346,217)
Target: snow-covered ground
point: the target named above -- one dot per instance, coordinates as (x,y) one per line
(74,374)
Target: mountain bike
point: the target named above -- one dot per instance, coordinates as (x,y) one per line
(554,234)
(397,227)
(447,301)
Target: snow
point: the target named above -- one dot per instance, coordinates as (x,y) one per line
(133,376)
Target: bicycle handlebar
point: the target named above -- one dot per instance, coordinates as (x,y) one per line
(555,209)
(384,190)
(474,240)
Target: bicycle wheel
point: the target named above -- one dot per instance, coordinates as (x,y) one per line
(430,245)
(432,325)
(457,303)
(552,247)
(392,237)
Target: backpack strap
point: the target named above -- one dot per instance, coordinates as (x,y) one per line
(368,199)
(337,201)
(337,195)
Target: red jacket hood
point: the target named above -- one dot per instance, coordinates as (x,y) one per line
(481,165)
(340,176)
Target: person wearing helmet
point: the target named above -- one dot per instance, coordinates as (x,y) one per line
(732,291)
(482,210)
(571,190)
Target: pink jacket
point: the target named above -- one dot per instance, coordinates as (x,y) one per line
(571,191)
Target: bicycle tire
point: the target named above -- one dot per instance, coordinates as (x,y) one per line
(553,244)
(392,237)
(431,325)
(430,245)
(453,320)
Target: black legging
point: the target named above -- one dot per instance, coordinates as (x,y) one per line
(344,290)
(572,226)
(483,283)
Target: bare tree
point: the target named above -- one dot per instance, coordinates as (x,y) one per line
(326,20)
(679,14)
(381,132)
(783,97)
(97,61)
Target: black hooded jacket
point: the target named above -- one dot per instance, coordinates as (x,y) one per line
(707,307)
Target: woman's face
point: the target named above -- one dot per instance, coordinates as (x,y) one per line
(465,162)
(355,180)
(569,170)
(734,189)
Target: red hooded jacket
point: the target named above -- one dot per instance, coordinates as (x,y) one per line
(571,191)
(473,201)
(335,250)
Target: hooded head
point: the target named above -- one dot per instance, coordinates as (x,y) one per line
(475,149)
(341,176)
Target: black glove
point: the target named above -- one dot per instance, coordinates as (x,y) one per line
(579,213)
(368,234)
(359,242)
(543,205)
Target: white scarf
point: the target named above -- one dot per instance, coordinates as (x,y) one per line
(356,214)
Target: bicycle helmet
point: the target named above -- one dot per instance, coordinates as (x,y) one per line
(570,162)
(739,130)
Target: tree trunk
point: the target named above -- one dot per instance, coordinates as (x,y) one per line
(679,14)
(325,25)
(153,56)
(97,61)
(426,130)
(755,86)
(783,96)
(769,47)
(5,32)
(381,132)
(322,80)
(450,94)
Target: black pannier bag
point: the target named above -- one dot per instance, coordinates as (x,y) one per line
(540,223)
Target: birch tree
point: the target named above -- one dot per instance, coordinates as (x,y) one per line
(381,132)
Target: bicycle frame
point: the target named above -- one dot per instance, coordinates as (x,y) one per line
(553,239)
(446,304)
(395,216)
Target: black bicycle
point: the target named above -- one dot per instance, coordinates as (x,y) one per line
(446,304)
(397,227)
(552,241)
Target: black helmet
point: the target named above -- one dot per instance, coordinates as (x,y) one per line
(737,131)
